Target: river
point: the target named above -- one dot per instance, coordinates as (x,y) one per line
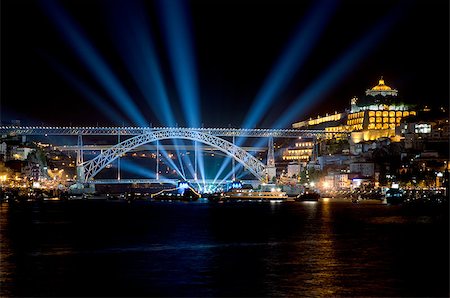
(106,248)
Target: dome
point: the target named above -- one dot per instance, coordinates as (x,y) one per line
(381,86)
(381,89)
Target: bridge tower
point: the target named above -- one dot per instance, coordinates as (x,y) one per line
(80,166)
(271,171)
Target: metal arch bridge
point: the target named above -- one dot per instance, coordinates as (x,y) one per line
(143,135)
(90,168)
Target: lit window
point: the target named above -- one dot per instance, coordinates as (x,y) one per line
(405,114)
(378,120)
(385,113)
(398,114)
(378,113)
(391,120)
(371,114)
(391,114)
(422,128)
(385,120)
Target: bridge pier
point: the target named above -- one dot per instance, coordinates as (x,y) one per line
(80,174)
(271,170)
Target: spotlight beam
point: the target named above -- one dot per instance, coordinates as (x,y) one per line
(93,61)
(301,44)
(315,93)
(307,33)
(176,28)
(176,24)
(132,167)
(101,104)
(133,39)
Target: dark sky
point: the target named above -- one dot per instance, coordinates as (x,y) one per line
(235,46)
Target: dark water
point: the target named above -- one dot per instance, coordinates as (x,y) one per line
(261,249)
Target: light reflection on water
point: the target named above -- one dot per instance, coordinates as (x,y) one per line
(291,249)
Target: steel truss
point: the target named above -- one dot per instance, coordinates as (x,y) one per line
(90,168)
(133,131)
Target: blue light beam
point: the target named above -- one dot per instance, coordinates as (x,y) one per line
(315,93)
(92,60)
(101,104)
(134,168)
(176,26)
(307,33)
(133,39)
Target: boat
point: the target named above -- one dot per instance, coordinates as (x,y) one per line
(255,195)
(394,196)
(308,195)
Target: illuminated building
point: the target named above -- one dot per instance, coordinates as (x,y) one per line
(319,120)
(300,152)
(374,116)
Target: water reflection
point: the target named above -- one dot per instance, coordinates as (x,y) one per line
(291,249)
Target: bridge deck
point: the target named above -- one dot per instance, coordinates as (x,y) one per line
(131,131)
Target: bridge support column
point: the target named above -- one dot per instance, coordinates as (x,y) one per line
(195,161)
(157,160)
(118,159)
(80,166)
(80,150)
(232,164)
(271,170)
(80,174)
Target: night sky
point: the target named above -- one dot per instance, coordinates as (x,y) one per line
(226,51)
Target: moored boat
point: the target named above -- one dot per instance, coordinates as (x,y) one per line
(394,196)
(308,196)
(255,195)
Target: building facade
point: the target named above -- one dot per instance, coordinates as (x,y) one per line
(374,116)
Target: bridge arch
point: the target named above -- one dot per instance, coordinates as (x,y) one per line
(91,167)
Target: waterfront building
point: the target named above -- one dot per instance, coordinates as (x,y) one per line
(301,151)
